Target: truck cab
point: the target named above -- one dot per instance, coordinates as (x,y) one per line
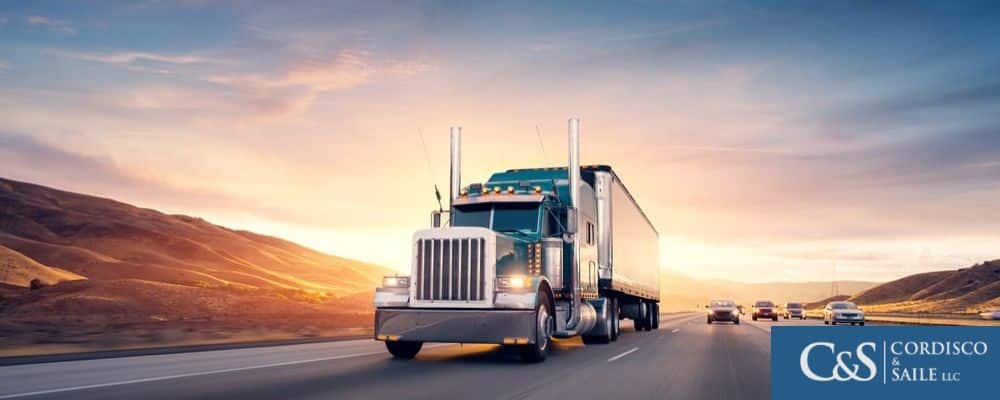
(516,263)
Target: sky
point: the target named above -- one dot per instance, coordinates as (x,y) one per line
(766,141)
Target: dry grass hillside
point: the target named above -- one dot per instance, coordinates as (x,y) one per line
(103,239)
(105,261)
(966,290)
(18,270)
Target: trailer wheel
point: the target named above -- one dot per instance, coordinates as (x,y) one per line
(656,316)
(538,351)
(640,320)
(404,350)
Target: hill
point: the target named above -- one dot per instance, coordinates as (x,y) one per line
(819,305)
(966,290)
(102,239)
(18,270)
(115,275)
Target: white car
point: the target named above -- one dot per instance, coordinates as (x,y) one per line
(843,312)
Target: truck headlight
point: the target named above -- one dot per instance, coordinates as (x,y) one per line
(396,282)
(512,282)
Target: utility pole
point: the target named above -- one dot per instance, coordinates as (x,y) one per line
(834,290)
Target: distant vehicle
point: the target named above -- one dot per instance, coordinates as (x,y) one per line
(990,314)
(764,309)
(794,310)
(723,310)
(843,312)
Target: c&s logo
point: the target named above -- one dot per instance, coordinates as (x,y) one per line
(845,368)
(883,362)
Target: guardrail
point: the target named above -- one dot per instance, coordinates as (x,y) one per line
(918,319)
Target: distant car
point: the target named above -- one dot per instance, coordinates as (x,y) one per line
(794,310)
(990,314)
(764,309)
(723,310)
(843,312)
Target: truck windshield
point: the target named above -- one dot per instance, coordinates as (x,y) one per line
(507,218)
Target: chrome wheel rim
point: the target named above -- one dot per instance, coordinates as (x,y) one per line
(544,328)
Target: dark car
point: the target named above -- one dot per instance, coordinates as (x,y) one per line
(765,309)
(723,310)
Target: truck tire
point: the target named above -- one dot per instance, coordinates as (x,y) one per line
(615,319)
(538,351)
(656,316)
(640,320)
(404,350)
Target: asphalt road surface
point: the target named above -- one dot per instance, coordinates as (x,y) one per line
(685,359)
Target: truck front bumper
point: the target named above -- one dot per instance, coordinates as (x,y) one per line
(459,326)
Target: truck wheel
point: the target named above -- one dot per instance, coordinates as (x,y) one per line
(538,351)
(615,319)
(604,337)
(404,350)
(710,320)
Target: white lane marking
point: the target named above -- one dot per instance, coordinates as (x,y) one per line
(634,349)
(190,374)
(675,330)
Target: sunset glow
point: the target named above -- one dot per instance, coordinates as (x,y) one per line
(750,150)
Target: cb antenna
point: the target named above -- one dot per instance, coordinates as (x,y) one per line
(430,169)
(538,134)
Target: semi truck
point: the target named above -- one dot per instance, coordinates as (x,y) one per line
(526,256)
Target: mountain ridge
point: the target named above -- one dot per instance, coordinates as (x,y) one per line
(102,238)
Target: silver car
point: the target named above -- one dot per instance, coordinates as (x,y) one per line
(794,310)
(843,312)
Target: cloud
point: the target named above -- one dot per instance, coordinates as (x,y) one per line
(294,88)
(345,70)
(132,57)
(54,24)
(28,159)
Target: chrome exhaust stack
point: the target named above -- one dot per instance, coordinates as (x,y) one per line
(582,314)
(456,166)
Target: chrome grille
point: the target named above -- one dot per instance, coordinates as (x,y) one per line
(451,269)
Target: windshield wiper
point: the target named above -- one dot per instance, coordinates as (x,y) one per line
(522,231)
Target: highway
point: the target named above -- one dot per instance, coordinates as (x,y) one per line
(685,359)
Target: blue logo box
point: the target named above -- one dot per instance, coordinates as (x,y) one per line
(885,362)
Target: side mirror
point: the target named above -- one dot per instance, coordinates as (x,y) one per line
(706,305)
(436,219)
